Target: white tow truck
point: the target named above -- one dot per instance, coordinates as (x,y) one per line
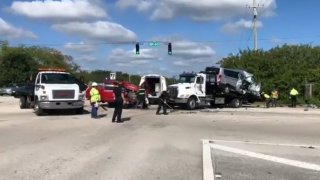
(201,89)
(190,91)
(53,89)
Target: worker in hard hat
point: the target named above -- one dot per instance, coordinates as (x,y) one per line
(267,99)
(94,99)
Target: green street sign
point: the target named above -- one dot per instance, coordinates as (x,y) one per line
(154,43)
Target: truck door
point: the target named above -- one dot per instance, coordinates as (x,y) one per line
(200,86)
(163,84)
(37,84)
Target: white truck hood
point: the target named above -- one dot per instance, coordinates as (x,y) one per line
(51,89)
(62,86)
(182,85)
(184,88)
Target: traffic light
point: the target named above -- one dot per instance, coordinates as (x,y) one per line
(137,48)
(169,49)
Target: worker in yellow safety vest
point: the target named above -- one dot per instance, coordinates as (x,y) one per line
(293,95)
(267,98)
(94,99)
(274,98)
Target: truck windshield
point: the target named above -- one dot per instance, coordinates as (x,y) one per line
(186,79)
(57,78)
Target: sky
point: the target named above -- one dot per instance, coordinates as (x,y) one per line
(101,34)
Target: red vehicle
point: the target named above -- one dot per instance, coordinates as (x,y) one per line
(107,95)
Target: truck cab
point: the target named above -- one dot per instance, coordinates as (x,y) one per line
(190,91)
(57,89)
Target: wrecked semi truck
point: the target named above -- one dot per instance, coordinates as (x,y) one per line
(214,87)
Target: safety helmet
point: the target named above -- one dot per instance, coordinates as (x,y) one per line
(94,84)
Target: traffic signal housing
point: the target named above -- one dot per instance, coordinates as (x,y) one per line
(137,48)
(169,49)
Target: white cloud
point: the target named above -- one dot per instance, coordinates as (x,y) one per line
(9,31)
(128,58)
(82,47)
(148,61)
(86,59)
(191,50)
(139,5)
(101,30)
(58,9)
(200,10)
(205,10)
(236,27)
(181,63)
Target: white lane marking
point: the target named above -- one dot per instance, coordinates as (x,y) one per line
(289,162)
(208,173)
(270,144)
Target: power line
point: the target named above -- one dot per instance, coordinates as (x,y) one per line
(166,42)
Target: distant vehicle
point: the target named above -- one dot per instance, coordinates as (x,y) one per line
(53,89)
(154,84)
(10,89)
(106,91)
(208,88)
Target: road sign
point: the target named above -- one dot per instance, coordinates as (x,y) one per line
(154,43)
(112,76)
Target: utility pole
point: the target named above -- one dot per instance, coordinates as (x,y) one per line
(255,7)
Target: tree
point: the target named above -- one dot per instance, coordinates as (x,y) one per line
(16,66)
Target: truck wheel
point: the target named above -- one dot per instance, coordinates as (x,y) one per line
(37,109)
(236,103)
(212,104)
(191,103)
(23,102)
(79,111)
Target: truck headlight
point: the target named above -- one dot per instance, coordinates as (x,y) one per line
(44,98)
(81,97)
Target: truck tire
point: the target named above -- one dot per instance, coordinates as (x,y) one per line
(191,103)
(37,109)
(79,111)
(236,103)
(23,102)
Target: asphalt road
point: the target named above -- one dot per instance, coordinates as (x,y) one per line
(148,146)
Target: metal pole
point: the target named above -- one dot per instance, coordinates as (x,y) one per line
(255,13)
